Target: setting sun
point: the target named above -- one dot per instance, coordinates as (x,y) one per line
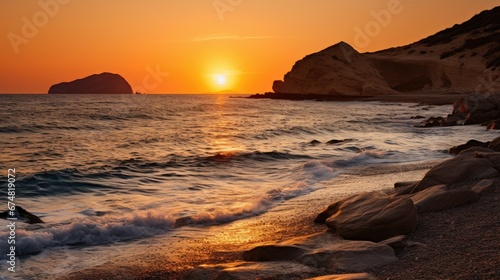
(221,80)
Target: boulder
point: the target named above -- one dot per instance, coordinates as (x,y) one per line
(439,198)
(490,125)
(495,145)
(350,256)
(22,215)
(104,83)
(492,157)
(471,143)
(472,151)
(435,121)
(325,250)
(370,216)
(476,108)
(455,170)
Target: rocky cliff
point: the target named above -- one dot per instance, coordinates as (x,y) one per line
(104,83)
(464,58)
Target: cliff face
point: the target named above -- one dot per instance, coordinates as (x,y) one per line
(104,83)
(338,70)
(459,59)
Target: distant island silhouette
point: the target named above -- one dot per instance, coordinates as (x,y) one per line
(104,83)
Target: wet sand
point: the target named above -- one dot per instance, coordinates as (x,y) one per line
(174,257)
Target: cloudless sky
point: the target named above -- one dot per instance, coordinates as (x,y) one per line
(198,46)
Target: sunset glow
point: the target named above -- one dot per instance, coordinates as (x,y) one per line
(173,46)
(220,79)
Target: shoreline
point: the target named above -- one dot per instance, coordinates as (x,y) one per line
(175,259)
(423,98)
(457,243)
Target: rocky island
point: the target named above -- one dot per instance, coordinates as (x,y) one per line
(104,83)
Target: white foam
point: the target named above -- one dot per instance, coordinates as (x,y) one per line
(87,232)
(111,228)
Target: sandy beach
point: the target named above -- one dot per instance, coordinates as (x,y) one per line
(459,243)
(226,243)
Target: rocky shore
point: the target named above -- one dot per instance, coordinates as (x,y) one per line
(443,226)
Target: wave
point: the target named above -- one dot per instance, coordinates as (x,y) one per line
(255,156)
(100,228)
(28,128)
(326,169)
(123,175)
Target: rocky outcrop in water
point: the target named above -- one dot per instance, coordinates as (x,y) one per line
(22,215)
(472,109)
(104,83)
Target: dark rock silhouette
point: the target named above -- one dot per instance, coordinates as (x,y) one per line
(22,215)
(104,83)
(449,61)
(471,143)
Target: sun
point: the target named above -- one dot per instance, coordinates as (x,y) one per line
(221,80)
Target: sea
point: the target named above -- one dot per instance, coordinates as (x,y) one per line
(110,170)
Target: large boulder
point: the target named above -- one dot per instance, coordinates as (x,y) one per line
(471,143)
(370,216)
(477,108)
(104,83)
(22,215)
(495,145)
(452,171)
(440,197)
(325,250)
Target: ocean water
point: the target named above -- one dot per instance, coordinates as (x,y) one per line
(110,170)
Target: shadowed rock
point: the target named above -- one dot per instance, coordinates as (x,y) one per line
(249,270)
(325,250)
(471,143)
(495,145)
(370,216)
(22,215)
(439,198)
(452,171)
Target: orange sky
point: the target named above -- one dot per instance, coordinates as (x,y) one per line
(199,46)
